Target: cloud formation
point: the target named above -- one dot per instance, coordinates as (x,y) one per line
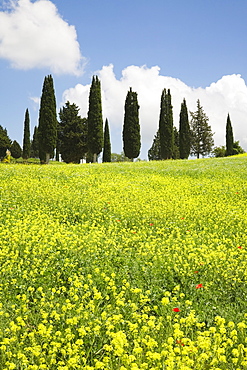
(227,95)
(34,35)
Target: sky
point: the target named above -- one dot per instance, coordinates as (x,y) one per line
(195,48)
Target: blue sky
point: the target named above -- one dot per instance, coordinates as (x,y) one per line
(195,48)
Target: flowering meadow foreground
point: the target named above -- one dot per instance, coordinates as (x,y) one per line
(124,266)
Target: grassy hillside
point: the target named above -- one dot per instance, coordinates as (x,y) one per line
(124,266)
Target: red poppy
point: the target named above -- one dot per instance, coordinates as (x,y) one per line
(151,224)
(182,218)
(176,309)
(178,341)
(240,247)
(195,272)
(199,286)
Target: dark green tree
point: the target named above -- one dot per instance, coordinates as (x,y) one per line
(166,125)
(229,137)
(47,129)
(72,134)
(131,127)
(5,142)
(107,143)
(26,137)
(16,150)
(237,149)
(34,152)
(95,120)
(201,134)
(115,157)
(184,132)
(175,152)
(154,153)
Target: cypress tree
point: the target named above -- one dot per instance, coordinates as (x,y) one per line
(154,153)
(229,137)
(107,143)
(184,132)
(72,134)
(166,125)
(175,152)
(95,120)
(131,127)
(47,129)
(26,137)
(35,144)
(201,134)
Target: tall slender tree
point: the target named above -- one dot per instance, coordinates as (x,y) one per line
(95,120)
(184,132)
(47,129)
(35,144)
(154,153)
(26,137)
(131,127)
(5,142)
(229,137)
(166,125)
(107,143)
(201,134)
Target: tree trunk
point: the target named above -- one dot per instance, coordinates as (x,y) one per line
(94,158)
(47,158)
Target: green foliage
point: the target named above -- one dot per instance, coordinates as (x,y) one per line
(72,134)
(107,144)
(229,137)
(175,151)
(26,137)
(154,153)
(5,142)
(201,134)
(219,151)
(131,127)
(95,120)
(166,125)
(34,152)
(237,149)
(47,129)
(184,132)
(115,157)
(16,151)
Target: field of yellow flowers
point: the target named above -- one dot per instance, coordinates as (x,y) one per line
(124,266)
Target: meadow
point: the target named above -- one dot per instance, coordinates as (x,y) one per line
(124,266)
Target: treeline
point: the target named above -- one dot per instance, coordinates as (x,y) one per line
(73,138)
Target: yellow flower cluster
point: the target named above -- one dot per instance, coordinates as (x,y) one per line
(131,266)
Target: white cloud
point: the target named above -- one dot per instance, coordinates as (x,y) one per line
(34,35)
(229,94)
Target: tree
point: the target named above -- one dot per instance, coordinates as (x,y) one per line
(72,134)
(184,132)
(154,153)
(16,150)
(26,137)
(115,157)
(229,137)
(95,120)
(219,151)
(47,129)
(5,142)
(201,134)
(175,151)
(166,125)
(34,152)
(131,127)
(107,144)
(237,149)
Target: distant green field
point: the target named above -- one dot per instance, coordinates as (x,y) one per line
(124,266)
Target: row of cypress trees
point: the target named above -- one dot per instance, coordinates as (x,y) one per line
(75,137)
